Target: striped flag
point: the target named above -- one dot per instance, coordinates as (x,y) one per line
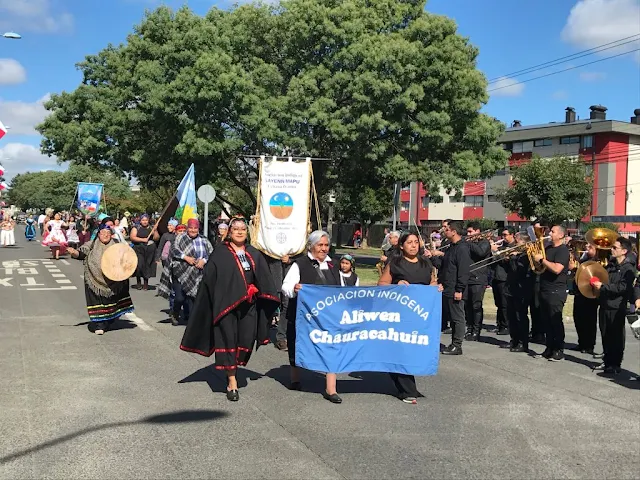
(3,130)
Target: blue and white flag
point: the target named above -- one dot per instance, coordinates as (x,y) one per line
(376,329)
(89,195)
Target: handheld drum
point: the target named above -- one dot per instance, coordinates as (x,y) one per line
(119,262)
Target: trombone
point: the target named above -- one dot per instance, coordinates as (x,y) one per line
(476,237)
(504,254)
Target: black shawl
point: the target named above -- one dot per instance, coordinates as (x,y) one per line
(221,290)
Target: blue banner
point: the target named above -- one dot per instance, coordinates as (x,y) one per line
(89,195)
(369,329)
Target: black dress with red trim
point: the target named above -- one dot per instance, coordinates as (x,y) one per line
(224,288)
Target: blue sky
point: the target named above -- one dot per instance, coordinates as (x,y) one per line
(511,35)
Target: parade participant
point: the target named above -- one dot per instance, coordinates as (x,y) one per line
(314,268)
(85,228)
(188,256)
(613,305)
(585,310)
(7,235)
(119,229)
(498,285)
(223,231)
(553,292)
(281,328)
(453,275)
(55,238)
(163,257)
(479,250)
(30,231)
(73,239)
(389,248)
(538,329)
(143,238)
(408,268)
(234,305)
(348,276)
(518,285)
(106,300)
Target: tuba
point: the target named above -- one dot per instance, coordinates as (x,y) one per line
(603,239)
(536,247)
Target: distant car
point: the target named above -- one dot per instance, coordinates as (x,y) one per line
(21,218)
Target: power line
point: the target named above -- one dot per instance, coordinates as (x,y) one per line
(567,58)
(564,70)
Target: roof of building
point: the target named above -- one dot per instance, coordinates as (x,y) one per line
(562,129)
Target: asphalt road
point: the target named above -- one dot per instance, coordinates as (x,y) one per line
(130,404)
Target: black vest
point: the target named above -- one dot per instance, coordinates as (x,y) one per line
(350,281)
(309,276)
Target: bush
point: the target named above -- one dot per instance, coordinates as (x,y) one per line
(485,223)
(585,227)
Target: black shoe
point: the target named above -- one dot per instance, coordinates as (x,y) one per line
(333,398)
(509,345)
(612,370)
(472,337)
(503,331)
(598,356)
(468,335)
(295,386)
(447,331)
(548,353)
(588,351)
(577,348)
(599,368)
(519,349)
(233,395)
(538,338)
(557,356)
(175,319)
(452,350)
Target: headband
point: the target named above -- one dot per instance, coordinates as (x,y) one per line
(193,222)
(182,226)
(144,216)
(173,222)
(223,225)
(348,258)
(104,226)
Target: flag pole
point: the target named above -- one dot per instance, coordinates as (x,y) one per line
(74,197)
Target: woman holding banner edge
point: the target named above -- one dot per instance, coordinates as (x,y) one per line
(315,268)
(408,268)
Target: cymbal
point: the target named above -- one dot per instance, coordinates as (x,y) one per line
(585,272)
(119,262)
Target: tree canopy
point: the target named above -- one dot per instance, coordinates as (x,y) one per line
(56,190)
(552,190)
(386,90)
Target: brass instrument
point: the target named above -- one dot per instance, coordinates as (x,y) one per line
(577,246)
(603,239)
(503,255)
(484,235)
(536,247)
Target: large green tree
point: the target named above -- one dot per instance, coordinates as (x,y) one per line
(386,90)
(56,190)
(552,190)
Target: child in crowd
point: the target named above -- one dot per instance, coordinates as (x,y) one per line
(348,277)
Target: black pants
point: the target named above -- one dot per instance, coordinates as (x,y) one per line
(585,318)
(518,319)
(473,308)
(500,299)
(538,324)
(551,305)
(181,299)
(406,385)
(612,323)
(281,332)
(453,313)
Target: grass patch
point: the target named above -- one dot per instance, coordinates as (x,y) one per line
(367,274)
(372,252)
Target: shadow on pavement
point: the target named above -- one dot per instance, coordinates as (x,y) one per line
(117,325)
(182,416)
(313,382)
(217,383)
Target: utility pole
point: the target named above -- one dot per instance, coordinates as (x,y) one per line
(332,200)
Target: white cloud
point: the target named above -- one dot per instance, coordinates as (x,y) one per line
(21,157)
(11,72)
(36,16)
(595,22)
(560,95)
(22,117)
(592,76)
(506,87)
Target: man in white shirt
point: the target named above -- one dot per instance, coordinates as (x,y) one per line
(41,219)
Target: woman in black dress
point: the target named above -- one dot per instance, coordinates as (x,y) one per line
(407,268)
(144,239)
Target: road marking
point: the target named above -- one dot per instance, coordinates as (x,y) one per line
(52,270)
(133,318)
(31,282)
(58,275)
(63,281)
(5,282)
(65,262)
(53,288)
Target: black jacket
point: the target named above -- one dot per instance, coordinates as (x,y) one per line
(519,279)
(619,290)
(453,269)
(479,251)
(500,269)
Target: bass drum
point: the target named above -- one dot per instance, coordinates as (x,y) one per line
(119,262)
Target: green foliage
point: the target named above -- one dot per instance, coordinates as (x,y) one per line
(585,227)
(386,90)
(51,189)
(485,223)
(551,190)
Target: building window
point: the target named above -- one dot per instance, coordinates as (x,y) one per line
(425,201)
(569,140)
(543,142)
(587,141)
(473,200)
(523,147)
(404,206)
(492,198)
